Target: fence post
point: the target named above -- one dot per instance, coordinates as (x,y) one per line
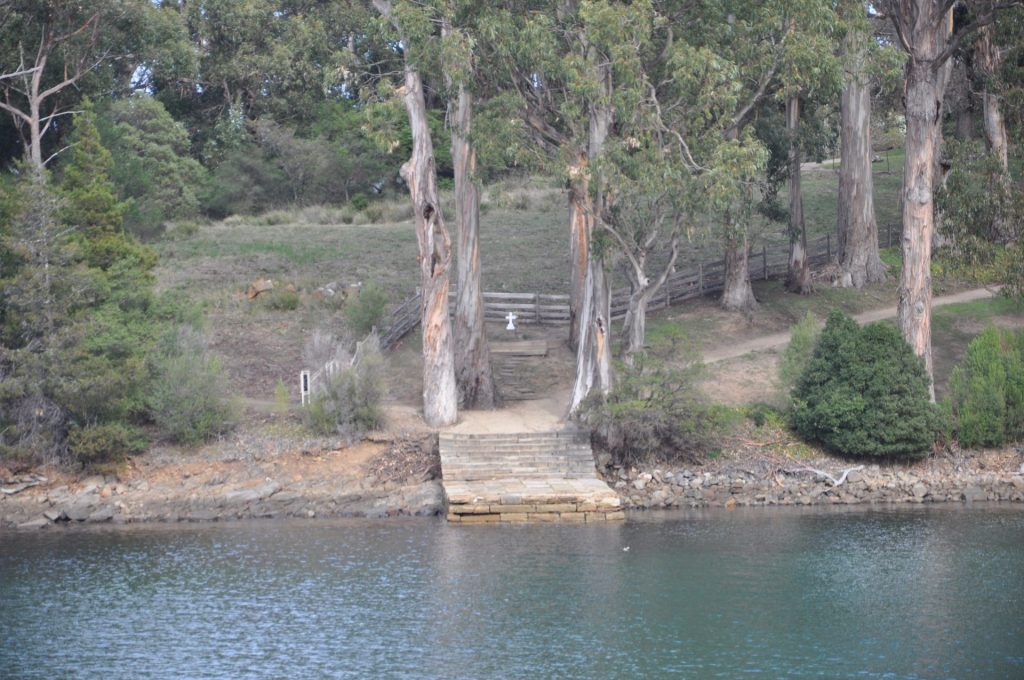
(700,277)
(536,307)
(828,246)
(764,261)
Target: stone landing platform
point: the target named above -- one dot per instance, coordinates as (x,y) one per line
(524,477)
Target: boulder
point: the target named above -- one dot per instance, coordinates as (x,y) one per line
(104,514)
(257,287)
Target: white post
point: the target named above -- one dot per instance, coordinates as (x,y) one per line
(304,387)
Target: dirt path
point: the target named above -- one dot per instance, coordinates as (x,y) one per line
(777,340)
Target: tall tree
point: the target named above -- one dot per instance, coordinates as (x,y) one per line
(798,277)
(858,229)
(924,30)
(440,396)
(988,58)
(51,52)
(473,375)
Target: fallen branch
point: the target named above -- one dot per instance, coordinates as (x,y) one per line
(11,490)
(822,473)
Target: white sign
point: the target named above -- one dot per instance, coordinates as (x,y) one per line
(511,321)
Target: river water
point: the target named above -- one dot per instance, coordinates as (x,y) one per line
(920,593)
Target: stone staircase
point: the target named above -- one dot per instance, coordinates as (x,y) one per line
(524,477)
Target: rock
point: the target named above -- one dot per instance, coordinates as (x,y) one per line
(104,514)
(731,503)
(259,286)
(604,460)
(203,516)
(79,512)
(974,493)
(37,523)
(245,496)
(640,484)
(854,476)
(54,515)
(919,490)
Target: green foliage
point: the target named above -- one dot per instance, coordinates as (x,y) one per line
(655,410)
(347,402)
(280,299)
(803,336)
(988,390)
(365,312)
(152,166)
(360,201)
(90,203)
(864,393)
(95,445)
(187,399)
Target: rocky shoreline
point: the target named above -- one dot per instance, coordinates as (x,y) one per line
(768,483)
(400,478)
(98,499)
(241,479)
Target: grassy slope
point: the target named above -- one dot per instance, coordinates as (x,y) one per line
(524,249)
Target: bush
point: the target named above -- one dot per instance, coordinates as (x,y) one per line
(988,390)
(188,397)
(365,312)
(864,393)
(655,409)
(348,400)
(284,299)
(103,443)
(360,202)
(797,355)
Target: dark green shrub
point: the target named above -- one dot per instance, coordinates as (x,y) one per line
(365,312)
(360,202)
(988,390)
(103,443)
(864,393)
(655,410)
(348,401)
(187,398)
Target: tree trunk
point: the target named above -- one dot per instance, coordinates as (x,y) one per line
(988,57)
(593,347)
(440,397)
(581,228)
(798,279)
(738,295)
(923,115)
(858,231)
(472,355)
(634,326)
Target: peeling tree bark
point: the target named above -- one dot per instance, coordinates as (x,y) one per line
(859,259)
(440,397)
(581,228)
(473,375)
(798,280)
(593,347)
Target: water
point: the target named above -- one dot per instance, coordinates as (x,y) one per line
(865,594)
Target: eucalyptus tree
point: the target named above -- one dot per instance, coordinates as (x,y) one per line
(924,29)
(51,52)
(473,375)
(760,50)
(413,26)
(859,257)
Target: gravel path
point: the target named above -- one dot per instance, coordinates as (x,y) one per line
(777,340)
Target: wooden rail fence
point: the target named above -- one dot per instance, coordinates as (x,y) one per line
(538,308)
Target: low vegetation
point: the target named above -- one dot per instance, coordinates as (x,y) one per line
(987,390)
(348,391)
(864,393)
(655,410)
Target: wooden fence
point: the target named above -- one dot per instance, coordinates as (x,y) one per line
(537,308)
